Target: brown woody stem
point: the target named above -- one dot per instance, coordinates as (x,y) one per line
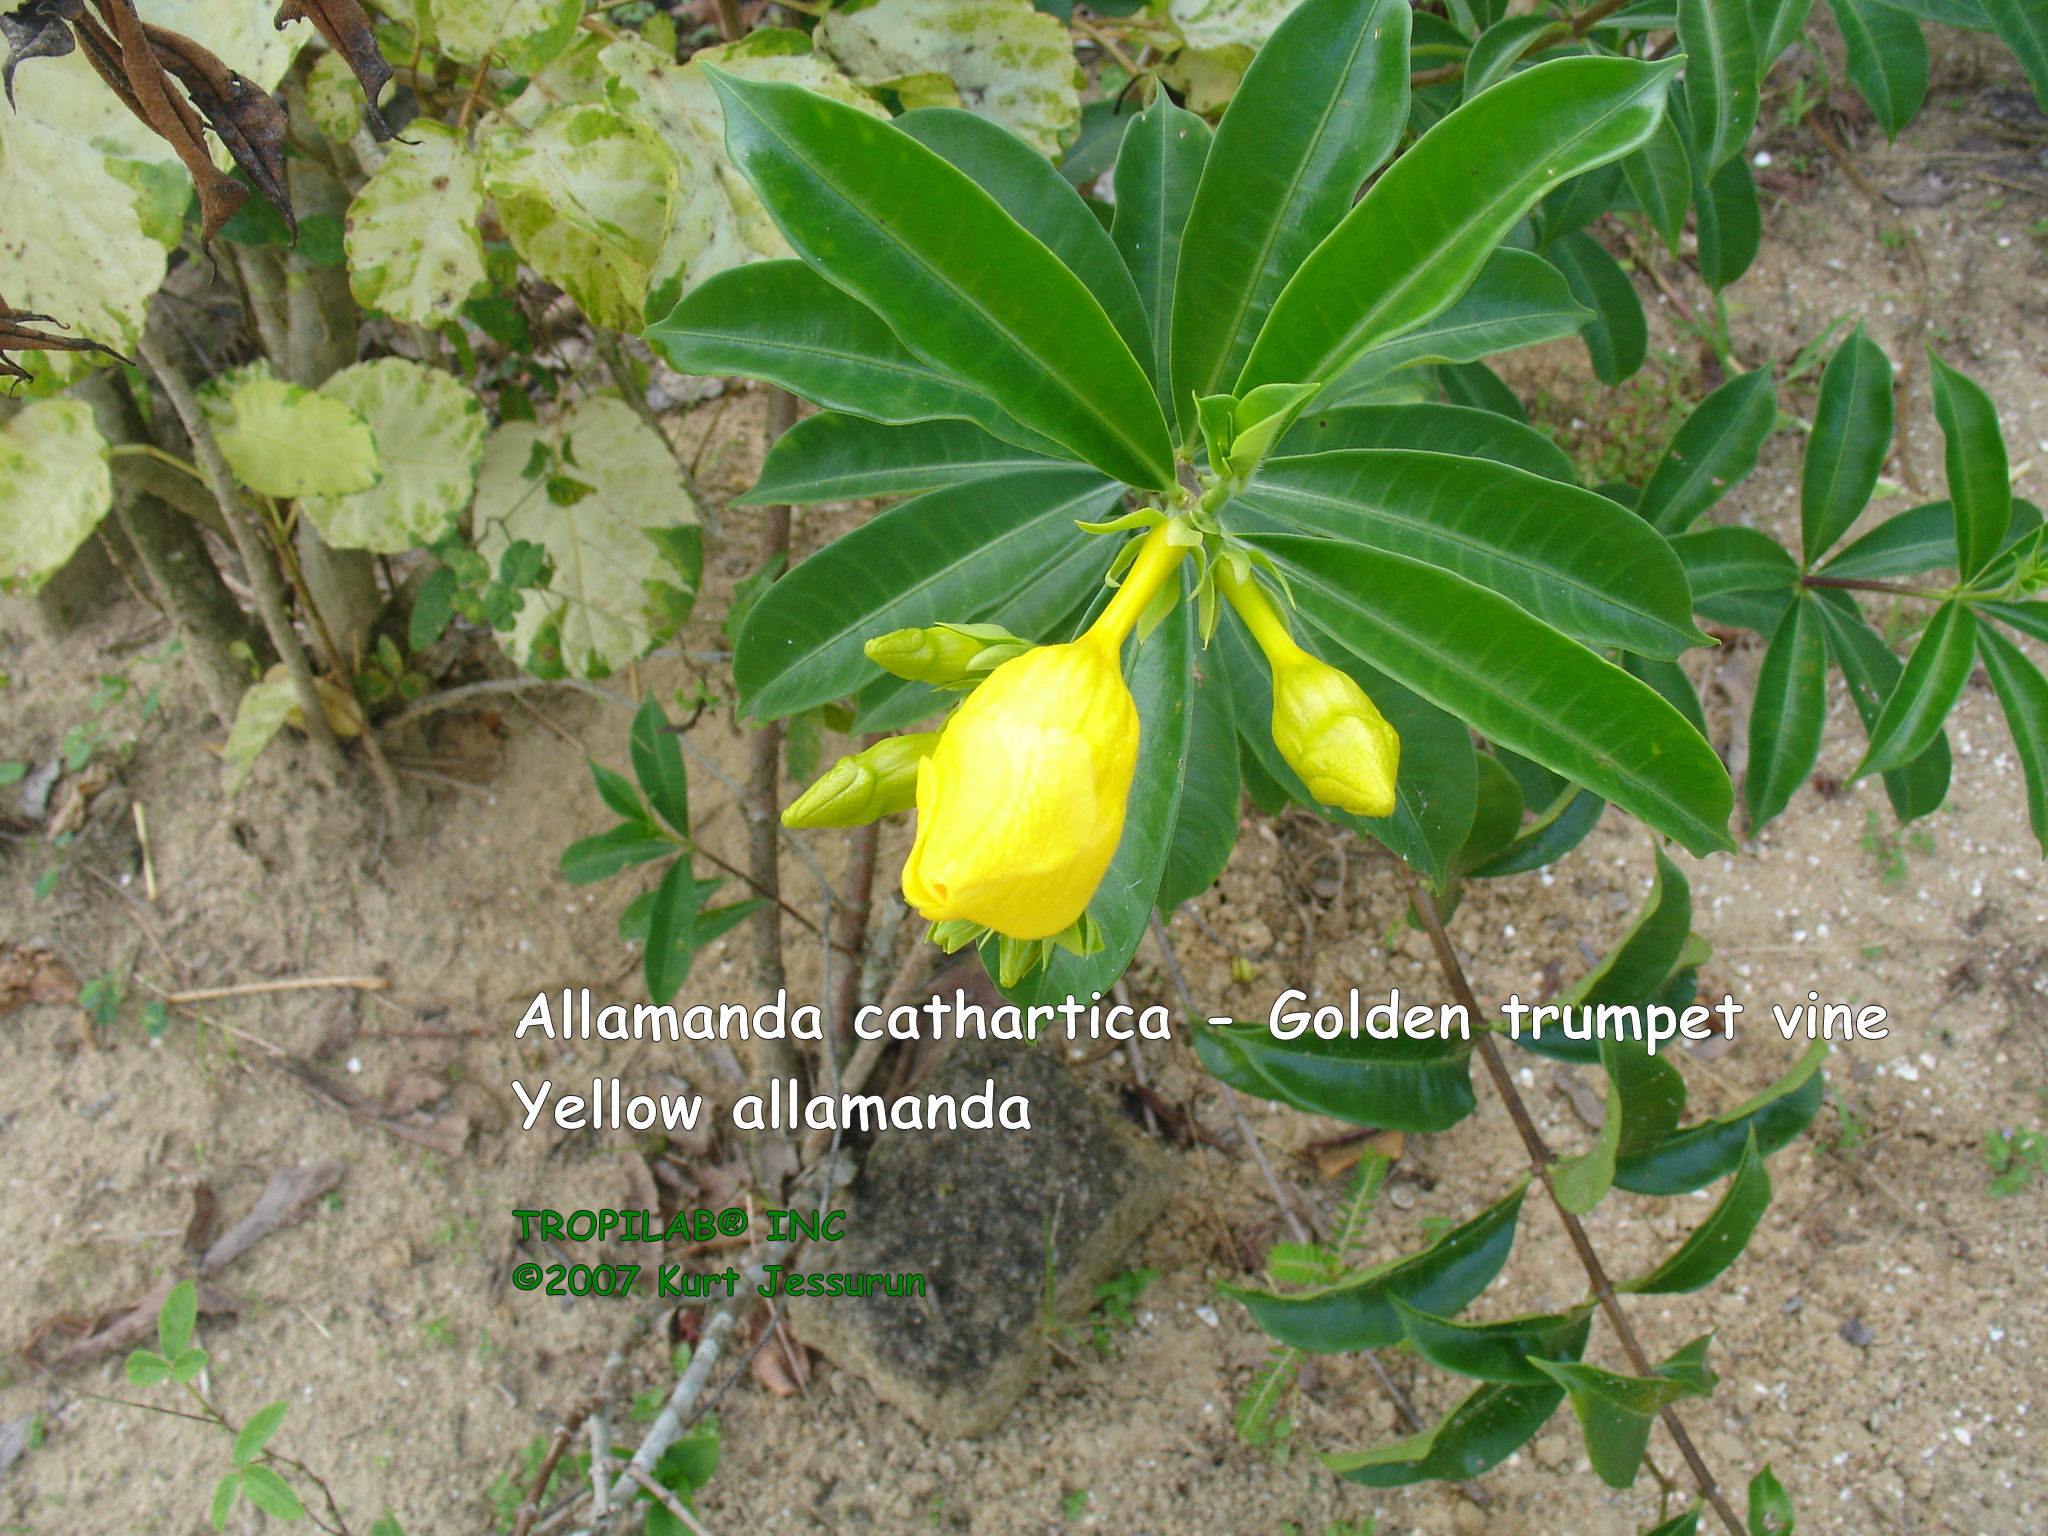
(1539,1161)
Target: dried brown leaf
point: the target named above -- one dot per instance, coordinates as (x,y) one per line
(132,71)
(34,976)
(37,29)
(138,1323)
(348,32)
(284,1199)
(244,117)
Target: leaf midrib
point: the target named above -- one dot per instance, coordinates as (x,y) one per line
(1047,371)
(1305,577)
(1423,269)
(1498,553)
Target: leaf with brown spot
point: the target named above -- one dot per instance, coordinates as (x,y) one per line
(347,31)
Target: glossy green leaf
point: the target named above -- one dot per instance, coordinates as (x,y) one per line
(590,859)
(780,321)
(618,793)
(1407,250)
(1401,1084)
(1104,127)
(1578,203)
(1872,672)
(146,1368)
(1047,604)
(2023,694)
(1205,825)
(176,1316)
(1660,176)
(1157,171)
(1360,1314)
(1616,1412)
(2022,25)
(1718,1241)
(1933,680)
(2027,618)
(1479,387)
(1496,816)
(1648,1091)
(1030,191)
(925,562)
(1919,540)
(1950,13)
(1728,222)
(1617,337)
(671,932)
(1716,446)
(1482,1431)
(1672,685)
(1452,429)
(1435,789)
(1788,713)
(948,271)
(271,1493)
(1979,486)
(257,1433)
(1517,300)
(1555,834)
(833,456)
(1695,1157)
(1566,555)
(1720,76)
(225,1492)
(658,765)
(1887,58)
(1733,559)
(1498,49)
(1515,680)
(1582,1182)
(1629,974)
(1500,1351)
(1162,680)
(1770,1507)
(1320,108)
(1852,433)
(1775,25)
(1686,1523)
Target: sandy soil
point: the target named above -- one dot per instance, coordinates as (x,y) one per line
(1880,1345)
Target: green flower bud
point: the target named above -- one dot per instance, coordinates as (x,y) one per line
(945,655)
(864,786)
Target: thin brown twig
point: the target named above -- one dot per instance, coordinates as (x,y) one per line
(1540,1160)
(557,1444)
(289,984)
(667,1500)
(1549,37)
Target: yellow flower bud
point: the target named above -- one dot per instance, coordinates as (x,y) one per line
(1326,728)
(864,786)
(1020,808)
(945,654)
(1331,734)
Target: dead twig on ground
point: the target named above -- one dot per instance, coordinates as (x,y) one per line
(288,984)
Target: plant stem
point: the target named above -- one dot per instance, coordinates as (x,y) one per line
(764,772)
(1539,1161)
(1549,37)
(1851,584)
(328,763)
